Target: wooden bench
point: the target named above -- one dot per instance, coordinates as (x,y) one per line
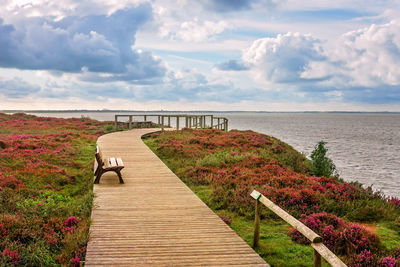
(111,164)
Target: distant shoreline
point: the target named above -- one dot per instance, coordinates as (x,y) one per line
(197,111)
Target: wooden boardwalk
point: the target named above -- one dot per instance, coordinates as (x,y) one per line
(154,219)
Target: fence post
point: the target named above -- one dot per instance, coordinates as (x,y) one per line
(317,259)
(169,121)
(257,224)
(130,122)
(116,122)
(177,123)
(162,123)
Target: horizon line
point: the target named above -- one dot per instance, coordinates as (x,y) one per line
(189,111)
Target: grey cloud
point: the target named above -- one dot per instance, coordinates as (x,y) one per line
(234,5)
(98,43)
(233,65)
(17,88)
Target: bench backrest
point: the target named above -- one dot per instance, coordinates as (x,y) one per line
(99,159)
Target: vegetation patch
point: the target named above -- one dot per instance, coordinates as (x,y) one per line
(224,167)
(46,173)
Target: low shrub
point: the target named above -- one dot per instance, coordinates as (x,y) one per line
(45,188)
(234,163)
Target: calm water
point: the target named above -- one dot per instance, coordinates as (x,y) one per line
(364,147)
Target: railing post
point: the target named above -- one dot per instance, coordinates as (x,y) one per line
(317,259)
(219,124)
(257,224)
(162,123)
(169,121)
(116,122)
(158,119)
(212,121)
(130,122)
(145,117)
(186,121)
(177,123)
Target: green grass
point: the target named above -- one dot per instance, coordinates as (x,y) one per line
(276,247)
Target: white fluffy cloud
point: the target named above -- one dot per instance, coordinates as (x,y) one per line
(194,31)
(367,57)
(371,56)
(283,59)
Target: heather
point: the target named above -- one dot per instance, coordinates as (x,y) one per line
(46,188)
(224,167)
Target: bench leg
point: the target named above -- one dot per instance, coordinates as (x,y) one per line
(97,170)
(119,176)
(98,175)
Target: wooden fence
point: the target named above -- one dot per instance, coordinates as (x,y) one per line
(179,121)
(320,250)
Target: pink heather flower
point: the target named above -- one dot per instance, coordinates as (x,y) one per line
(76,261)
(40,204)
(71,221)
(388,262)
(69,229)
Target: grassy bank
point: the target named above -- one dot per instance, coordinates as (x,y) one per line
(222,168)
(46,188)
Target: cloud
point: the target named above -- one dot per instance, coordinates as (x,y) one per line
(235,5)
(193,30)
(364,58)
(98,43)
(17,88)
(283,59)
(233,65)
(371,55)
(362,66)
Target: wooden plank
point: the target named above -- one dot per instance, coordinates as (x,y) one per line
(307,232)
(112,162)
(328,255)
(119,162)
(154,219)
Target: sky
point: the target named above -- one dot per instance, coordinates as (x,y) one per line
(254,55)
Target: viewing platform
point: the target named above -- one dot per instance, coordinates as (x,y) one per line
(176,121)
(154,219)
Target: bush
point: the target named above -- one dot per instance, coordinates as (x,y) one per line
(339,236)
(45,177)
(321,165)
(234,163)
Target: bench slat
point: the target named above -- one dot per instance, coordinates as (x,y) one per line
(112,161)
(119,162)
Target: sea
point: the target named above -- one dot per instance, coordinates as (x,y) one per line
(365,147)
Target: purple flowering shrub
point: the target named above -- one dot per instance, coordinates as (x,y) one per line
(45,176)
(236,162)
(339,236)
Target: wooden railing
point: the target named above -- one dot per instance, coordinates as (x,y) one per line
(179,120)
(320,250)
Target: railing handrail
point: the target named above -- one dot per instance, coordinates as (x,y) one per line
(190,121)
(316,241)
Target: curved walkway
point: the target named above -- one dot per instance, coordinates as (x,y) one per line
(154,219)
